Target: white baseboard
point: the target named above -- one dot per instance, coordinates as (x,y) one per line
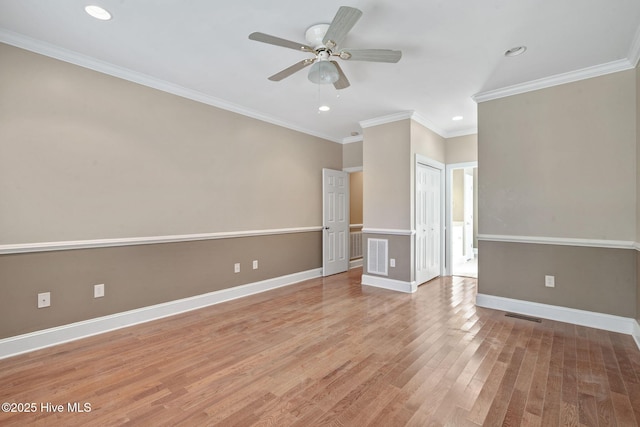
(608,322)
(355,263)
(392,284)
(13,346)
(636,333)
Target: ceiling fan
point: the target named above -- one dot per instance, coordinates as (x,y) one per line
(324,41)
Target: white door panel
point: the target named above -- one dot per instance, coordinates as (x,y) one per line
(335,233)
(468,216)
(428,223)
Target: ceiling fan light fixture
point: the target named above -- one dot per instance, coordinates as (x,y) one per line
(323,72)
(98,12)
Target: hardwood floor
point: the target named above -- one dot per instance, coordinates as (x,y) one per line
(330,352)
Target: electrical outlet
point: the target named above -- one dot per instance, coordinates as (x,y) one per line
(550,281)
(236,267)
(44,299)
(392,262)
(255,264)
(98,290)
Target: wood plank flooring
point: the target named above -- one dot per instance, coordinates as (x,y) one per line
(331,352)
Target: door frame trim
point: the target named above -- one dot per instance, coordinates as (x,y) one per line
(427,161)
(449,210)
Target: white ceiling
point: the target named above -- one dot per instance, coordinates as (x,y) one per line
(452,50)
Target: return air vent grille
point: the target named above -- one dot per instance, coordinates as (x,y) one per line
(355,245)
(377,255)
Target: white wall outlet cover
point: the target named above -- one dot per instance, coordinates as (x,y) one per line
(236,267)
(98,290)
(392,262)
(550,281)
(255,264)
(44,299)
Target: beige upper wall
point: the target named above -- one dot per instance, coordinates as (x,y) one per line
(355,197)
(638,167)
(462,149)
(561,161)
(427,143)
(84,155)
(386,199)
(352,155)
(457,190)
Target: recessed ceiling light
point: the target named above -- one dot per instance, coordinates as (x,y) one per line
(515,51)
(98,12)
(324,108)
(456,118)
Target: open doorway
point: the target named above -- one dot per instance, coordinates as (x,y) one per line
(462,214)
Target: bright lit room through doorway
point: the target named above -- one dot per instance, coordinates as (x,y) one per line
(463,208)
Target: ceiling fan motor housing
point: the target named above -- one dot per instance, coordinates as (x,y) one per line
(323,54)
(315,34)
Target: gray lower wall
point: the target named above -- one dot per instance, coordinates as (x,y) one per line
(594,279)
(139,276)
(399,248)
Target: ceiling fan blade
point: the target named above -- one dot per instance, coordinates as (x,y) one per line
(290,70)
(342,82)
(342,23)
(266,38)
(373,55)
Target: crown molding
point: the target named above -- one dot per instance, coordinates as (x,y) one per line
(634,50)
(46,49)
(558,79)
(402,115)
(418,118)
(390,118)
(462,132)
(350,139)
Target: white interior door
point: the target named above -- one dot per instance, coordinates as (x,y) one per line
(428,217)
(468,216)
(335,222)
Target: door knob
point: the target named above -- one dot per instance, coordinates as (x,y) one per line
(326,228)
